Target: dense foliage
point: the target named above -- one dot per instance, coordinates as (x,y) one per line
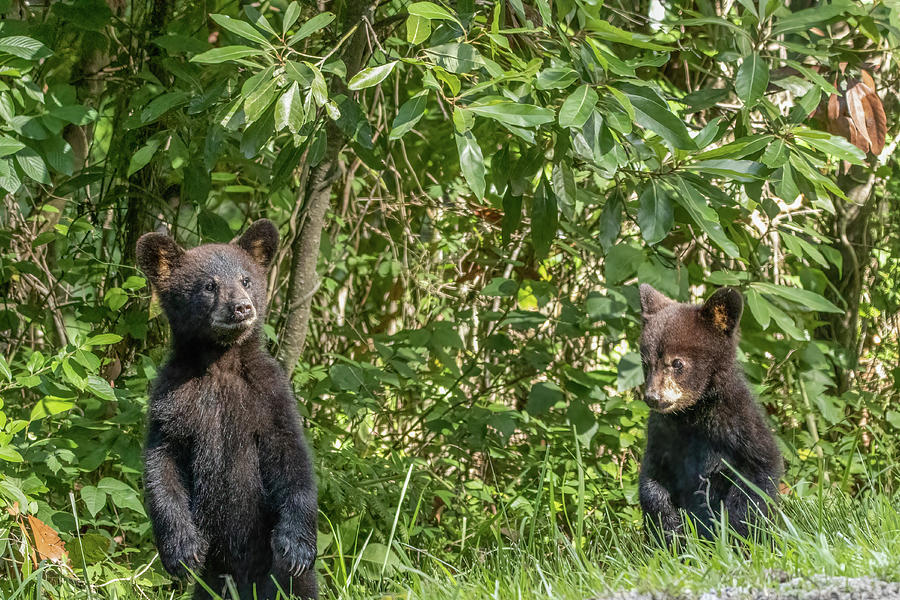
(468,197)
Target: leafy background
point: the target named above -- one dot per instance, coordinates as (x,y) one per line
(468,196)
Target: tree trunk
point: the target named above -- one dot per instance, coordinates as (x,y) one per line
(316,198)
(853,238)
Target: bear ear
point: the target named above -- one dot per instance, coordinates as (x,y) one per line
(652,301)
(260,241)
(723,310)
(157,256)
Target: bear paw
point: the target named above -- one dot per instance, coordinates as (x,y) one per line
(292,554)
(183,555)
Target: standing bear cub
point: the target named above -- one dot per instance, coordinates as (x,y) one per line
(229,480)
(704,424)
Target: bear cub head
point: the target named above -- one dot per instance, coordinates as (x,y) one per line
(214,293)
(685,346)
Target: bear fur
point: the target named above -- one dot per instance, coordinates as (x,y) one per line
(704,423)
(229,480)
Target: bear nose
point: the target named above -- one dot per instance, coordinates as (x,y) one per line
(242,310)
(651,397)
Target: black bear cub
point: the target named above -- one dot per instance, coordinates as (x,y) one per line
(229,480)
(704,424)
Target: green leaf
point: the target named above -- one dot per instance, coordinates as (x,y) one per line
(577,107)
(100,388)
(94,499)
(417,29)
(290,17)
(605,31)
(408,115)
(542,397)
(241,28)
(103,339)
(752,79)
(630,372)
(430,10)
(745,171)
(4,369)
(289,109)
(24,47)
(513,113)
(256,103)
(544,219)
(140,158)
(49,406)
(9,145)
(555,78)
(10,454)
(310,27)
(831,145)
(656,215)
(500,287)
(371,76)
(33,165)
(652,112)
(122,494)
(704,216)
(804,299)
(454,57)
(759,307)
(471,162)
(346,377)
(226,53)
(622,261)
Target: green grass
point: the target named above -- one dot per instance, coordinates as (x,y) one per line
(829,534)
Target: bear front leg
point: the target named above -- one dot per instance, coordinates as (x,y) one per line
(290,481)
(661,518)
(181,547)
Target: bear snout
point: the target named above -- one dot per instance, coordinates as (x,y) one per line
(242,310)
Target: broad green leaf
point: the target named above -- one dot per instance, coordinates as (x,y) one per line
(140,158)
(371,76)
(759,307)
(310,27)
(752,79)
(408,115)
(745,171)
(430,10)
(10,454)
(653,113)
(241,28)
(256,103)
(656,215)
(604,30)
(103,339)
(555,78)
(100,388)
(542,397)
(417,29)
(471,162)
(630,372)
(544,219)
(289,109)
(577,107)
(94,499)
(4,369)
(23,47)
(33,165)
(455,57)
(49,406)
(9,145)
(500,287)
(513,113)
(290,17)
(226,53)
(695,203)
(831,145)
(804,299)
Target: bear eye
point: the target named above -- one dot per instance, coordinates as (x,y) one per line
(677,364)
(245,282)
(211,286)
